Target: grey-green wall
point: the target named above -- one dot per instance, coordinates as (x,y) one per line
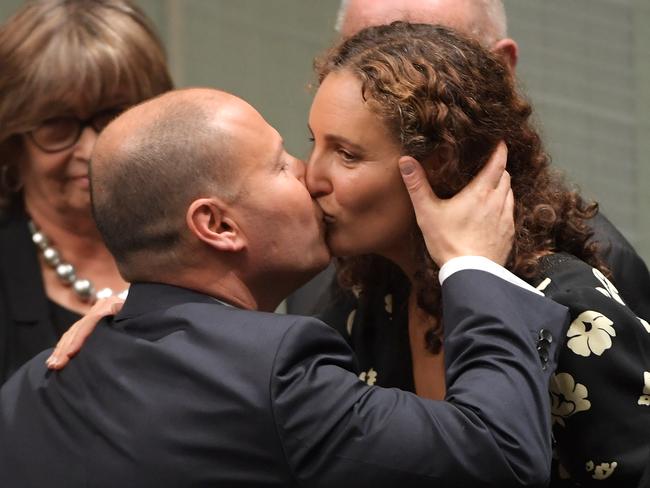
(584,63)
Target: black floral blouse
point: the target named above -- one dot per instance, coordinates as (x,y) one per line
(600,393)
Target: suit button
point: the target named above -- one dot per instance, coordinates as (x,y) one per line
(545,335)
(542,350)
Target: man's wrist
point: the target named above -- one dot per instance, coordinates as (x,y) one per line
(481,263)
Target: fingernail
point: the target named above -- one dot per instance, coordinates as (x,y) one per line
(407,168)
(51,362)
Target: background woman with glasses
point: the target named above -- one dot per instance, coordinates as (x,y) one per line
(67,67)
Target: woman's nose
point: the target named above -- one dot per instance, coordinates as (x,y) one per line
(86,143)
(317,178)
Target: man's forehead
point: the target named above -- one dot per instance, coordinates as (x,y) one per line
(256,142)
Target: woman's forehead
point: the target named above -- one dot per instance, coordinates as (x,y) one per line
(83,106)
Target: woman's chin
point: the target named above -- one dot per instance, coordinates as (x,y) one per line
(77,206)
(340,249)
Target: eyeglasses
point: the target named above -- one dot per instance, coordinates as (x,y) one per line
(61,133)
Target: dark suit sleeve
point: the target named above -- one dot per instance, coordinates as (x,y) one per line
(493,429)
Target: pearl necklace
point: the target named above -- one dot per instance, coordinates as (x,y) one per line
(66,272)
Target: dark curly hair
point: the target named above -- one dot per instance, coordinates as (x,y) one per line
(448,102)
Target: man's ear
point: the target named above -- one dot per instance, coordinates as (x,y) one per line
(208,220)
(507,48)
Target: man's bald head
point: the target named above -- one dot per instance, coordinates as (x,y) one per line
(151,163)
(484,20)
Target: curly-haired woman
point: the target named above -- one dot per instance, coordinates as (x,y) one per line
(401,94)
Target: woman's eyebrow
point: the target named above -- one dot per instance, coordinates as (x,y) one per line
(343,140)
(335,138)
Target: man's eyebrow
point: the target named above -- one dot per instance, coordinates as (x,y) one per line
(277,155)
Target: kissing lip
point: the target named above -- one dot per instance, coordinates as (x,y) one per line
(328,219)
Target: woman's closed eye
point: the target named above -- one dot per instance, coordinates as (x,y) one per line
(346,155)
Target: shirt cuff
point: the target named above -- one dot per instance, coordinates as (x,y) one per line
(481,263)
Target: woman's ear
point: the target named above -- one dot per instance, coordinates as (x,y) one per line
(437,159)
(208,220)
(438,169)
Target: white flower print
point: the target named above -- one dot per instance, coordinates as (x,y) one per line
(645,324)
(590,332)
(388,303)
(602,471)
(350,322)
(609,289)
(357,290)
(567,397)
(645,398)
(369,377)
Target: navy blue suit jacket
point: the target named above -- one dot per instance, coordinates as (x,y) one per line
(181,390)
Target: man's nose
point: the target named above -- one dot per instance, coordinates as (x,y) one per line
(317,178)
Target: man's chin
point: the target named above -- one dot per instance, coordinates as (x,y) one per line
(321,263)
(336,250)
(315,268)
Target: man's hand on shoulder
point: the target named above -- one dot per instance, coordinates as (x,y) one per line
(75,337)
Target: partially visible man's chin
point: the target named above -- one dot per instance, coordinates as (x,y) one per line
(321,259)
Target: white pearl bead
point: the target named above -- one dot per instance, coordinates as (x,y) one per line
(83,288)
(51,256)
(104,293)
(66,272)
(40,240)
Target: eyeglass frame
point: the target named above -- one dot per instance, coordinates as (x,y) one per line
(81,126)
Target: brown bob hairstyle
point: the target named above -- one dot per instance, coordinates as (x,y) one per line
(62,56)
(448,101)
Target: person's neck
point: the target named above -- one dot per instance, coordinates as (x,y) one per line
(227,285)
(231,280)
(74,233)
(404,258)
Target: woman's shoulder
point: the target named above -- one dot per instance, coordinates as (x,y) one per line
(599,392)
(590,296)
(562,274)
(12,217)
(14,233)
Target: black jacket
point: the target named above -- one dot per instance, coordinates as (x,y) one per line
(181,390)
(25,325)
